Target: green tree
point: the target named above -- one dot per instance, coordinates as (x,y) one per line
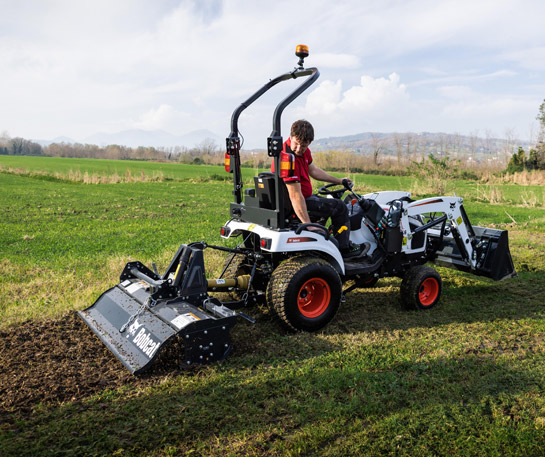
(541,114)
(536,158)
(517,161)
(541,136)
(20,146)
(533,161)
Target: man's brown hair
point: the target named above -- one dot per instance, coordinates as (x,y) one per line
(303,131)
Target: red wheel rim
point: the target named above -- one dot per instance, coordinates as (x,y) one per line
(314,297)
(429,290)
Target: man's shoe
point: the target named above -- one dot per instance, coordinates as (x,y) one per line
(354,250)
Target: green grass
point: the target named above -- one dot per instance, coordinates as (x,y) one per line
(466,378)
(390,396)
(105,167)
(55,232)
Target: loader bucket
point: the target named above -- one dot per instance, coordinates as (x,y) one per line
(494,258)
(136,318)
(492,255)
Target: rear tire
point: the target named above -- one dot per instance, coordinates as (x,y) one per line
(305,292)
(421,288)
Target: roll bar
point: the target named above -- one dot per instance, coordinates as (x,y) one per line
(297,73)
(274,142)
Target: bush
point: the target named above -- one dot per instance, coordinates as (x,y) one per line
(535,160)
(517,161)
(433,175)
(468,175)
(432,167)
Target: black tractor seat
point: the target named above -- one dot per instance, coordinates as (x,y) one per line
(265,193)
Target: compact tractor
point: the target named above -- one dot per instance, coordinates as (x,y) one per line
(297,269)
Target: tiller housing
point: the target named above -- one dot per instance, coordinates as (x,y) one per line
(145,310)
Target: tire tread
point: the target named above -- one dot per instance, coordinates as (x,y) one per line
(410,286)
(278,287)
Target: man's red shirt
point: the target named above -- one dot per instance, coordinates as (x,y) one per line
(300,173)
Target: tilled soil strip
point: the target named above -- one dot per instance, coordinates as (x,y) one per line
(57,361)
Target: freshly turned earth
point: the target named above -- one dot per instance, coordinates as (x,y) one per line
(60,361)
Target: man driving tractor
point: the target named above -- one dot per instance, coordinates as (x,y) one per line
(300,189)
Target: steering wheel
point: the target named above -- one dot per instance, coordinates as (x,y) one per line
(338,193)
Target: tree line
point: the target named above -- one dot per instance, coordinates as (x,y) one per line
(387,155)
(211,154)
(207,152)
(19,146)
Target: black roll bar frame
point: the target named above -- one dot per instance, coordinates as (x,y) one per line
(275,141)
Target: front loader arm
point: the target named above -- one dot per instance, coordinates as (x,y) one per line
(459,228)
(478,250)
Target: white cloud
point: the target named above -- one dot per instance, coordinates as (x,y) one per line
(487,108)
(378,94)
(330,60)
(86,67)
(371,95)
(374,104)
(325,99)
(165,117)
(456,92)
(532,58)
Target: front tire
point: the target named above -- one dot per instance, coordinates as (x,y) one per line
(305,292)
(421,288)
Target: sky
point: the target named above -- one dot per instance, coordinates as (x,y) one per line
(75,68)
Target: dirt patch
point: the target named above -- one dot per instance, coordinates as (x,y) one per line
(58,361)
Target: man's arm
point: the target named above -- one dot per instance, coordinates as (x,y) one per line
(298,201)
(317,173)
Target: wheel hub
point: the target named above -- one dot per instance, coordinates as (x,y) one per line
(314,297)
(428,291)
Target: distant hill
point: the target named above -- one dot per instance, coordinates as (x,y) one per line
(59,139)
(157,138)
(136,137)
(393,144)
(420,144)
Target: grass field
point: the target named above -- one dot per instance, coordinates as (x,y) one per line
(466,378)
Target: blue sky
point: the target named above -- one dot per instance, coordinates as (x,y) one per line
(75,68)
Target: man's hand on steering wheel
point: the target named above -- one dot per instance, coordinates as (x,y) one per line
(346,184)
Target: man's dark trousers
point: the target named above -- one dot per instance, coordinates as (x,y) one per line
(337,210)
